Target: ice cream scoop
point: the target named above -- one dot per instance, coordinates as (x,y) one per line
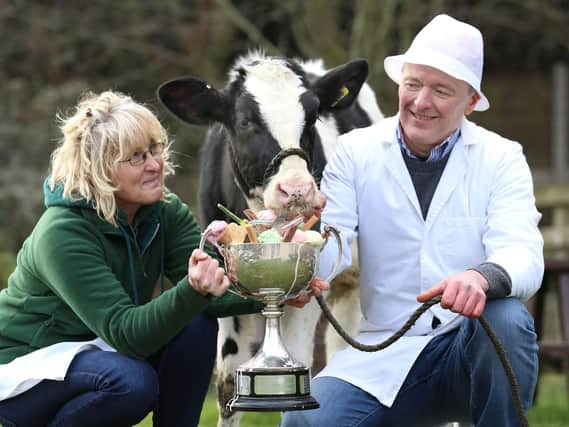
(267,215)
(214,231)
(299,236)
(270,236)
(314,237)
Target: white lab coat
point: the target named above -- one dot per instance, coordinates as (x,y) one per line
(483,210)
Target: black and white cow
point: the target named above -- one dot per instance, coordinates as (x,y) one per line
(269,106)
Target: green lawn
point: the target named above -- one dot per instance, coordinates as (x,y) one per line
(552,406)
(551,409)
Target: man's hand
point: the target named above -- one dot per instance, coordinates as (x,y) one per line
(463,293)
(205,275)
(317,285)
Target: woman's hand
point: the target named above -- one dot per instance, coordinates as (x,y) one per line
(205,275)
(317,285)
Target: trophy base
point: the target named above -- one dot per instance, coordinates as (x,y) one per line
(272,390)
(272,404)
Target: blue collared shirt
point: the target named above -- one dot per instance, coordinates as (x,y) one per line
(437,152)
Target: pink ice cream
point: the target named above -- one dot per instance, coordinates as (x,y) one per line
(267,215)
(299,237)
(214,231)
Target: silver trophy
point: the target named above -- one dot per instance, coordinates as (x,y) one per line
(273,272)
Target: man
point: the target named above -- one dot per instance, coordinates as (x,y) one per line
(443,207)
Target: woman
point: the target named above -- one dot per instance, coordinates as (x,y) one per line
(85,278)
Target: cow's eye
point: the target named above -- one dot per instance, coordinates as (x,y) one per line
(244,123)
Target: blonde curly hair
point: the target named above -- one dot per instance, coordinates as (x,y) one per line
(103,129)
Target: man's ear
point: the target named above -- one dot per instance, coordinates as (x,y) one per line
(474,97)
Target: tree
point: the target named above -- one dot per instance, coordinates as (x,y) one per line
(54,50)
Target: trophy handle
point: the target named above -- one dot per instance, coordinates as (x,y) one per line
(232,285)
(327,230)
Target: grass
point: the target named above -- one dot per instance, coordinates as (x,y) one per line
(209,416)
(552,406)
(550,410)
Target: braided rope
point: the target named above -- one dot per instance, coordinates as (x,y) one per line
(509,371)
(514,387)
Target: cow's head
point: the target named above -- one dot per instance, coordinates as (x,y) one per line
(269,111)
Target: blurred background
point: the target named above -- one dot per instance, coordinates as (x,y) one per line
(54,51)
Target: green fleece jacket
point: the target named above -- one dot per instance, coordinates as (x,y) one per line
(78,277)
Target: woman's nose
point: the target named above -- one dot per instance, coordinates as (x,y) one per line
(152,162)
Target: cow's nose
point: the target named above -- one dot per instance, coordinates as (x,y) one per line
(288,191)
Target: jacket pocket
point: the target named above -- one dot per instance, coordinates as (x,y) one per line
(39,336)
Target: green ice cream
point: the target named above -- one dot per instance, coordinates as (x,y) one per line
(270,236)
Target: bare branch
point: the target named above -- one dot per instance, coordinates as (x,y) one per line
(241,22)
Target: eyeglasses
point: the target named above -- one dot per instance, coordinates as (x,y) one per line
(139,157)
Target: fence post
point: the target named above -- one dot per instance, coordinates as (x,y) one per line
(559,120)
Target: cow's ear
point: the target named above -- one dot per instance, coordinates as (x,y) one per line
(340,86)
(193,100)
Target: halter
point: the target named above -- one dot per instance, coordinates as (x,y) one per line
(281,155)
(271,169)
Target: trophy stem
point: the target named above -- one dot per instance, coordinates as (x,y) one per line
(272,342)
(272,380)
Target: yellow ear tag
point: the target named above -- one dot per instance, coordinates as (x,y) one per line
(343,92)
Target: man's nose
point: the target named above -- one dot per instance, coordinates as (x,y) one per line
(423,98)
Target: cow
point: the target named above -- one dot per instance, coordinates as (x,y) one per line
(271,129)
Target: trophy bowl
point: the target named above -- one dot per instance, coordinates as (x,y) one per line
(255,268)
(272,273)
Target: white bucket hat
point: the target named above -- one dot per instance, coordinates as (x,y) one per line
(451,46)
